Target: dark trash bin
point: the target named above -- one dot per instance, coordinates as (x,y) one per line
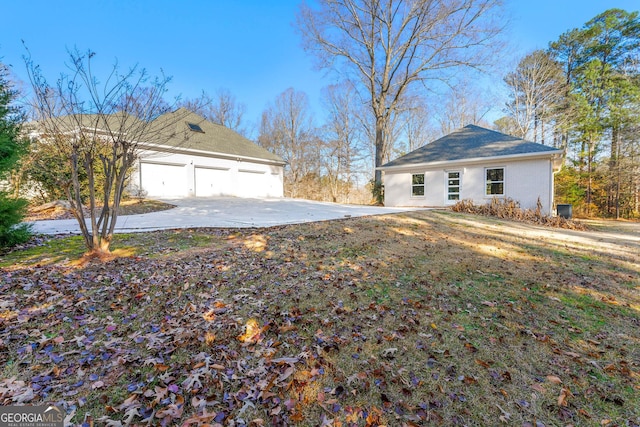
(565,211)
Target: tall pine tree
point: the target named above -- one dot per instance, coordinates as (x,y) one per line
(600,63)
(12,210)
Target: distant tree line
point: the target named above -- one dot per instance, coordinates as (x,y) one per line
(582,94)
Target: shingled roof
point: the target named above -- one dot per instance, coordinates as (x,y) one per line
(170,131)
(471,142)
(174,130)
(119,124)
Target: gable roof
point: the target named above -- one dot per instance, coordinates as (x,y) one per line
(471,142)
(168,132)
(174,130)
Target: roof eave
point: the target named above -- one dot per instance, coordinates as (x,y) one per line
(552,154)
(184,150)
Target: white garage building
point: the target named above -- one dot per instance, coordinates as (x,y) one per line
(194,157)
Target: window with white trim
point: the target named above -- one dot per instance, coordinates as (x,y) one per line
(453,186)
(494,182)
(417,185)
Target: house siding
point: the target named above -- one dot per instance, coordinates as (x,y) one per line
(524,181)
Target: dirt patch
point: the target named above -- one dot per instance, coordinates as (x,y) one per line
(624,227)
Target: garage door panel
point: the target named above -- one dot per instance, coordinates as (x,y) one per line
(163,180)
(213,182)
(251,183)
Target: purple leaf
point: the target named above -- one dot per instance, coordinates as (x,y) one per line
(220,416)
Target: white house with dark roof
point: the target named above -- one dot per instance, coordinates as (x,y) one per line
(475,164)
(194,157)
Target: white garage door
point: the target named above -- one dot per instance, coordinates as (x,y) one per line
(252,183)
(163,180)
(212,182)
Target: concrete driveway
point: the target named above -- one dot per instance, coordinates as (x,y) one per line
(226,212)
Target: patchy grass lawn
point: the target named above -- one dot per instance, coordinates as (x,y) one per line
(426,318)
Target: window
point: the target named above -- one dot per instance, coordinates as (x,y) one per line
(194,127)
(417,185)
(494,182)
(453,186)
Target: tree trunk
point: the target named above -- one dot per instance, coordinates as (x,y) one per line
(617,195)
(613,187)
(589,176)
(380,148)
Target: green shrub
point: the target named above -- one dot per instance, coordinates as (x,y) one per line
(12,232)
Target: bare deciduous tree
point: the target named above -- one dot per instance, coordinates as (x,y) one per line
(389,46)
(221,108)
(98,128)
(464,104)
(343,140)
(418,128)
(286,129)
(507,125)
(537,89)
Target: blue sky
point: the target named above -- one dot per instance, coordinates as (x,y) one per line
(247,46)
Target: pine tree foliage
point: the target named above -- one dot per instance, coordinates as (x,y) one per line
(588,101)
(12,147)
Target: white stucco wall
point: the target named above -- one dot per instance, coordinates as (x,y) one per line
(188,175)
(524,181)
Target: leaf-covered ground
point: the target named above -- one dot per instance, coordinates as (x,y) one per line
(426,318)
